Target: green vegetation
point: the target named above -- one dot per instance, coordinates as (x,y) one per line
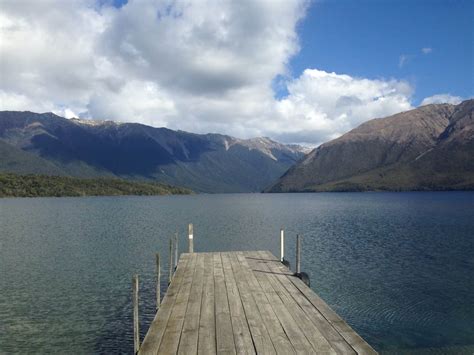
(12,185)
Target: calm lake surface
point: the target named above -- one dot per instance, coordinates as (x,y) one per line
(398,267)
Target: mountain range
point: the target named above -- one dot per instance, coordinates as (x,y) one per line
(32,143)
(428,148)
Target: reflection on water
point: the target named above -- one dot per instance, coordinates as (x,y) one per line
(397,266)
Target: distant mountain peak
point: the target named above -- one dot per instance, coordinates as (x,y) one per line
(90,122)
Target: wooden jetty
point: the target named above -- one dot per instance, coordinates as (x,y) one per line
(244,302)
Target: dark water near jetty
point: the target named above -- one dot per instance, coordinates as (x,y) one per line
(398,267)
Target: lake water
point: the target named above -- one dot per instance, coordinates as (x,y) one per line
(398,267)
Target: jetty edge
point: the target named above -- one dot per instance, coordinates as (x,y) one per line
(241,302)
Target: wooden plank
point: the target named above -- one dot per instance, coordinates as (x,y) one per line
(242,339)
(171,336)
(224,334)
(319,343)
(340,325)
(207,323)
(356,341)
(289,324)
(154,336)
(327,316)
(338,343)
(258,331)
(334,338)
(279,338)
(189,337)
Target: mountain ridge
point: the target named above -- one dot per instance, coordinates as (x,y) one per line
(428,148)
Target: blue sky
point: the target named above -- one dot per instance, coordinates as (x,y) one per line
(429,43)
(367,38)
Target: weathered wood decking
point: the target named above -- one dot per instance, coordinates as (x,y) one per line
(245,302)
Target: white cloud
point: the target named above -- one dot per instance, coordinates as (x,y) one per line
(204,47)
(403,59)
(48,59)
(442,99)
(321,106)
(426,50)
(135,101)
(202,66)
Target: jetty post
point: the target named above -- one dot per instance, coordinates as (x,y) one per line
(171,261)
(303,276)
(158,281)
(282,245)
(298,254)
(190,238)
(175,251)
(136,321)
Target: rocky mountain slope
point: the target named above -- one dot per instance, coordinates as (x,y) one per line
(52,145)
(428,148)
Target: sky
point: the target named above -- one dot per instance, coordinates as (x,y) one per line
(298,71)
